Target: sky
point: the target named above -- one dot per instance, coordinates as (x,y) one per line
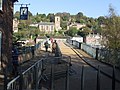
(90,8)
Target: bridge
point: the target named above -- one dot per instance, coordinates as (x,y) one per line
(70,68)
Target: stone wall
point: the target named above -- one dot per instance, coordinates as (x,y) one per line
(6,27)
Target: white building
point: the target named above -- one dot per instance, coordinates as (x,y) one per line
(48,27)
(77,25)
(15,25)
(94,40)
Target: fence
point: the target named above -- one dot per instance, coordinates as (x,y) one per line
(57,68)
(98,79)
(45,69)
(26,52)
(102,54)
(27,80)
(87,48)
(48,69)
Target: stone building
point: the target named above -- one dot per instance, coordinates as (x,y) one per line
(48,27)
(94,40)
(76,25)
(15,25)
(6,30)
(57,23)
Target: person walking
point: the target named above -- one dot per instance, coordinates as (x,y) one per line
(54,45)
(15,61)
(46,46)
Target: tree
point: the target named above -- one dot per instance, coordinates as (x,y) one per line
(85,31)
(17,15)
(79,16)
(111,34)
(101,20)
(72,31)
(63,24)
(51,17)
(111,31)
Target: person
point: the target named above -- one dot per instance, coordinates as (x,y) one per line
(15,61)
(49,43)
(35,40)
(51,39)
(54,45)
(46,45)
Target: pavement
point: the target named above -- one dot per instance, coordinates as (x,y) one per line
(90,74)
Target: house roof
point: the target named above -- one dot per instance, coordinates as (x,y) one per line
(46,23)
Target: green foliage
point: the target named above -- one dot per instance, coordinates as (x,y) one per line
(66,18)
(84,32)
(17,15)
(51,17)
(111,31)
(111,36)
(60,32)
(101,20)
(72,31)
(79,16)
(64,25)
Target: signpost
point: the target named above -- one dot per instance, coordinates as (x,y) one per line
(23,13)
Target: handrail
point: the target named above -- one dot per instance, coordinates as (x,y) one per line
(10,85)
(35,73)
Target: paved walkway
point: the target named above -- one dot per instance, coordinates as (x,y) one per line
(90,73)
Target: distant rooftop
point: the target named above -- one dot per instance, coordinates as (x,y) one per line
(46,23)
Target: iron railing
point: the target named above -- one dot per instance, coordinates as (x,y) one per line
(48,68)
(27,80)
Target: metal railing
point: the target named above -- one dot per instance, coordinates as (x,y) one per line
(87,48)
(98,79)
(27,52)
(102,54)
(44,69)
(27,80)
(56,68)
(48,68)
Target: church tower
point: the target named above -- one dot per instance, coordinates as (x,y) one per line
(57,23)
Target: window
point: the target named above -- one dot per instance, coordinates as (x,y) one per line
(57,19)
(51,27)
(41,27)
(46,27)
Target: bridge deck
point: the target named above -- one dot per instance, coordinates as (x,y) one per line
(90,73)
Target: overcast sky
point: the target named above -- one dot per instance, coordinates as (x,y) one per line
(90,8)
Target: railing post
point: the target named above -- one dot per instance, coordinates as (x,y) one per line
(21,82)
(72,42)
(67,78)
(35,77)
(79,45)
(96,57)
(98,78)
(5,78)
(113,79)
(82,78)
(52,77)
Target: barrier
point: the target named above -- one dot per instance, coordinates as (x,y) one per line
(30,79)
(27,80)
(103,54)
